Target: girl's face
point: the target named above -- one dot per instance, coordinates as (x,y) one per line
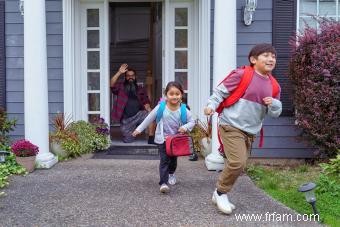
(174,95)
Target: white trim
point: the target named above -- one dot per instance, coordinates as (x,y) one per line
(203,47)
(68,56)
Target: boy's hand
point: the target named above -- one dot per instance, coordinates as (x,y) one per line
(268,101)
(135,133)
(208,111)
(182,130)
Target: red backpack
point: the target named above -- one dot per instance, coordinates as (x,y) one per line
(239,92)
(179,145)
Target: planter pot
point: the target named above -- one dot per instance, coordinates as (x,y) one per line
(27,162)
(206,146)
(58,150)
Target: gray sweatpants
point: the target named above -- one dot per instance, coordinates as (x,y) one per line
(128,125)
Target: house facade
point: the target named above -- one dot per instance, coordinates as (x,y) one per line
(58,56)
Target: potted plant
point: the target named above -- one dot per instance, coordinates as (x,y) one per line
(25,153)
(63,142)
(205,129)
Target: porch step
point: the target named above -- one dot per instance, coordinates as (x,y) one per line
(133,150)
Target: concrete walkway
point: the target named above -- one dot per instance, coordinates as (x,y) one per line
(112,192)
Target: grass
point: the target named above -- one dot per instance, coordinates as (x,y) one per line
(282,184)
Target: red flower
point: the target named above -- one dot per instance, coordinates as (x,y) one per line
(24,148)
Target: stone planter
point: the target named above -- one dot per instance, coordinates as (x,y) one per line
(27,162)
(205,146)
(58,150)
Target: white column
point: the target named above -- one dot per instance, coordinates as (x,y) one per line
(224,61)
(35,81)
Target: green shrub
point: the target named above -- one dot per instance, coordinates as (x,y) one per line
(89,139)
(314,71)
(6,126)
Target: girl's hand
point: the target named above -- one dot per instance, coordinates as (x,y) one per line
(135,133)
(182,130)
(268,101)
(208,111)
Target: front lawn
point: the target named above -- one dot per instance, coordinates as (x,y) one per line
(282,184)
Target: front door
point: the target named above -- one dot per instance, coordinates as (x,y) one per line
(179,51)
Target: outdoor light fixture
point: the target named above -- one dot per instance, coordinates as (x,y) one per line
(248,11)
(3,155)
(308,190)
(21,7)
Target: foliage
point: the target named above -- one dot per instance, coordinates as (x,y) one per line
(8,168)
(64,136)
(282,184)
(314,70)
(200,131)
(5,127)
(102,128)
(333,167)
(24,148)
(89,139)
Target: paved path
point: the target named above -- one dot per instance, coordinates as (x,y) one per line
(111,192)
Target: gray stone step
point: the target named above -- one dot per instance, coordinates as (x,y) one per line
(133,150)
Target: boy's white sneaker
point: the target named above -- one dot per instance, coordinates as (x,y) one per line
(172,179)
(222,203)
(164,188)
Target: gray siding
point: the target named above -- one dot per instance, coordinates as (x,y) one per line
(14,43)
(280,135)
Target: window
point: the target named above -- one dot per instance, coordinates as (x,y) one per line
(319,8)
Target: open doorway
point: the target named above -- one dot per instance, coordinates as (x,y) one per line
(136,39)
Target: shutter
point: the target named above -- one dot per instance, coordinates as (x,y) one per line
(284,26)
(2,56)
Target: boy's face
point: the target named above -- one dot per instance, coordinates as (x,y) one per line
(264,63)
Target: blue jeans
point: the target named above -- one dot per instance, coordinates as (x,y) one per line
(167,165)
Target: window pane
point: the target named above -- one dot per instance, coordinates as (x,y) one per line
(182,78)
(327,8)
(307,20)
(181,38)
(93,18)
(93,39)
(181,17)
(93,59)
(93,117)
(307,7)
(181,59)
(94,101)
(93,81)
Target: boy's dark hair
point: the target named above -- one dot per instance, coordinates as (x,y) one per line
(173,84)
(260,49)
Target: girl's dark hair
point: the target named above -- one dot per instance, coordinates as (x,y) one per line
(260,49)
(173,84)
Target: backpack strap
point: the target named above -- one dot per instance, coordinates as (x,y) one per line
(161,109)
(275,85)
(239,91)
(184,119)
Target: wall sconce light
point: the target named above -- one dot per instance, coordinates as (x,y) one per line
(248,11)
(21,7)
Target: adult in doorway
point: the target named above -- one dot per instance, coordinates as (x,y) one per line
(132,105)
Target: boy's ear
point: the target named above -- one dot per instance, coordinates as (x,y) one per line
(253,59)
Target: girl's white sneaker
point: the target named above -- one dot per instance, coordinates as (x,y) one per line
(172,179)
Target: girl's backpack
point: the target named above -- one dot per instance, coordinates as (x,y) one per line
(161,109)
